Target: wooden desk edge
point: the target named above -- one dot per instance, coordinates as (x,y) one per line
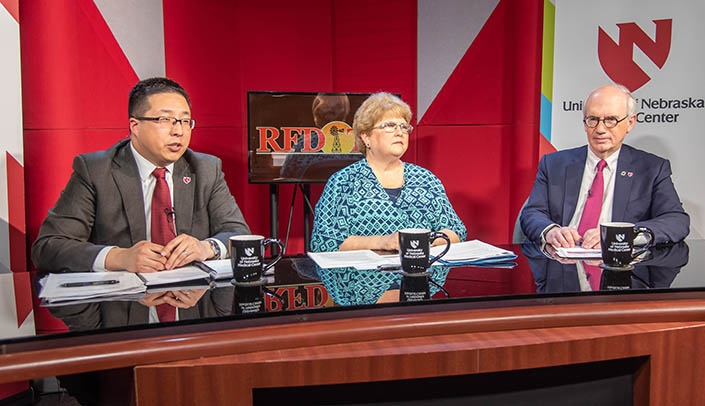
(144,351)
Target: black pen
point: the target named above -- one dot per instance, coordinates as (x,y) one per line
(91,283)
(388,268)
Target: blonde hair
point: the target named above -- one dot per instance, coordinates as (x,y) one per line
(372,110)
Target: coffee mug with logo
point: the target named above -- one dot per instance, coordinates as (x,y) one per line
(615,280)
(414,287)
(248,299)
(415,246)
(617,243)
(247,256)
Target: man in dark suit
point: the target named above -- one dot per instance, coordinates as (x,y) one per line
(101,221)
(637,185)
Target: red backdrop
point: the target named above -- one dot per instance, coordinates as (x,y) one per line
(480,136)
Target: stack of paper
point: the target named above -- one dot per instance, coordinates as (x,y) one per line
(474,252)
(360,259)
(78,287)
(81,286)
(578,252)
(184,274)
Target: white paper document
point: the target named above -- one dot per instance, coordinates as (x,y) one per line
(360,259)
(473,252)
(187,273)
(219,269)
(579,252)
(85,285)
(123,285)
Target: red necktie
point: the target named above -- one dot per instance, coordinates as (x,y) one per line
(593,204)
(162,228)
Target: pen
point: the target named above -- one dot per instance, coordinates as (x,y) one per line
(388,268)
(91,283)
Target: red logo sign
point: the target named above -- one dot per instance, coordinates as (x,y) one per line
(617,59)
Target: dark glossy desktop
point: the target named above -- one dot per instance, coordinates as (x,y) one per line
(308,320)
(299,289)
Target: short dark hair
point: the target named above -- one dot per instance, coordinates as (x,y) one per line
(137,104)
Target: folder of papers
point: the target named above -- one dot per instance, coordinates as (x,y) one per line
(359,259)
(474,252)
(77,287)
(579,252)
(59,287)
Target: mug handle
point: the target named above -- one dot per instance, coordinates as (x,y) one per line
(643,230)
(434,236)
(266,243)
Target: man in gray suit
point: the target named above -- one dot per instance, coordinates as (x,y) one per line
(101,221)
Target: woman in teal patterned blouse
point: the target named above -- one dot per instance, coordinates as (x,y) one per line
(364,204)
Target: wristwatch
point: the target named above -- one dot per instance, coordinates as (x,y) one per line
(216,248)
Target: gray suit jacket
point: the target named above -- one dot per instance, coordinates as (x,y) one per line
(643,194)
(102,205)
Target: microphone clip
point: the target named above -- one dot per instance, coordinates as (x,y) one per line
(170,214)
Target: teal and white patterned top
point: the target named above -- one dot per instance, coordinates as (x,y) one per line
(355,203)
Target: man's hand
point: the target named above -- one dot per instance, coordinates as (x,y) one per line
(183,299)
(566,237)
(144,256)
(591,238)
(184,249)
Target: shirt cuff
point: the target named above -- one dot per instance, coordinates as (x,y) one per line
(99,262)
(545,230)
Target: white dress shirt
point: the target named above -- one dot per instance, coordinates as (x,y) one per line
(148,181)
(588,177)
(608,174)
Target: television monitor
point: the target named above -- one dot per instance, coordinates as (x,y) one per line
(300,137)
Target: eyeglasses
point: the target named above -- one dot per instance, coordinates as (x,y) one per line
(609,122)
(169,122)
(391,128)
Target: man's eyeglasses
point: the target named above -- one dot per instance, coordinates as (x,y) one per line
(609,122)
(169,122)
(391,128)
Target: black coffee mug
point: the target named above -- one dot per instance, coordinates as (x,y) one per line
(247,256)
(414,288)
(415,247)
(617,243)
(248,299)
(615,280)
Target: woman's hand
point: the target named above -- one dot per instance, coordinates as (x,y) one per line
(389,242)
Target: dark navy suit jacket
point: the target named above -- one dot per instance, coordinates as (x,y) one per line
(643,194)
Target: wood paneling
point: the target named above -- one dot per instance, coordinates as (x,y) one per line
(447,331)
(670,374)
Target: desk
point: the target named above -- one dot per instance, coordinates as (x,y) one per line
(531,318)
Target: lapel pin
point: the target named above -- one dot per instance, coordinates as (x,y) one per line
(623,173)
(630,174)
(187,179)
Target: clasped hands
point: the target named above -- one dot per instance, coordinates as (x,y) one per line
(146,256)
(568,237)
(184,299)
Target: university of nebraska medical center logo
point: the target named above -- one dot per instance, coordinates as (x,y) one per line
(617,59)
